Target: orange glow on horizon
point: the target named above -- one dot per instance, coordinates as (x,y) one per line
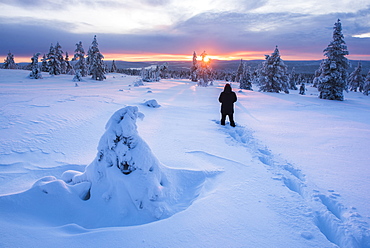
(245,55)
(139,57)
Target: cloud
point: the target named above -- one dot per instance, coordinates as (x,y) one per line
(215,31)
(34,35)
(314,7)
(258,31)
(243,30)
(26,39)
(62,4)
(26,4)
(156,2)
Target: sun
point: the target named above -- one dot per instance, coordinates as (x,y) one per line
(206,59)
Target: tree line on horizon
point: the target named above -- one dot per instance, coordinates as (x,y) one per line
(331,78)
(55,63)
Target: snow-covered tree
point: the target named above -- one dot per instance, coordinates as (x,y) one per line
(44,64)
(316,78)
(245,78)
(68,67)
(78,76)
(114,67)
(58,52)
(125,172)
(255,75)
(53,62)
(356,80)
(300,79)
(95,62)
(204,71)
(332,74)
(79,56)
(9,62)
(193,68)
(60,58)
(302,89)
(150,74)
(153,73)
(366,89)
(240,71)
(146,75)
(292,78)
(35,70)
(163,70)
(273,74)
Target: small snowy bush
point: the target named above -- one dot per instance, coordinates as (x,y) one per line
(152,103)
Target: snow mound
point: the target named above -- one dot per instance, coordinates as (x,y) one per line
(138,83)
(124,185)
(152,103)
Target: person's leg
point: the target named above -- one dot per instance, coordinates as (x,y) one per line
(223,118)
(231,118)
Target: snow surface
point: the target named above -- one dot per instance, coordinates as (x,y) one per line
(294,172)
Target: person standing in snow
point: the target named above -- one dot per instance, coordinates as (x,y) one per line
(227,99)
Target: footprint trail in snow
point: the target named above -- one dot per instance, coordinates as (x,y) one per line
(341,225)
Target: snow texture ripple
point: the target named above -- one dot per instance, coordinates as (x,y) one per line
(341,225)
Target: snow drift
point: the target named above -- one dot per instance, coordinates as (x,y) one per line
(124,185)
(152,103)
(294,170)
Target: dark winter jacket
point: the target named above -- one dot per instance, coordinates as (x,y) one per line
(227,99)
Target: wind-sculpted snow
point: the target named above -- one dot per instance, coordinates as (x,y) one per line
(124,185)
(61,187)
(341,225)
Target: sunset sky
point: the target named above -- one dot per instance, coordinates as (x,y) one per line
(137,30)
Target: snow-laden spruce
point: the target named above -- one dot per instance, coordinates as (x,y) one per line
(273,75)
(366,89)
(79,56)
(153,73)
(331,77)
(68,66)
(113,67)
(204,71)
(201,72)
(53,62)
(194,68)
(239,71)
(95,61)
(245,78)
(9,62)
(356,80)
(292,79)
(35,70)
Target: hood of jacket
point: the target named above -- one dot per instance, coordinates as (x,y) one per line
(227,88)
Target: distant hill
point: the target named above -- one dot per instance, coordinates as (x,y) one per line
(232,65)
(309,66)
